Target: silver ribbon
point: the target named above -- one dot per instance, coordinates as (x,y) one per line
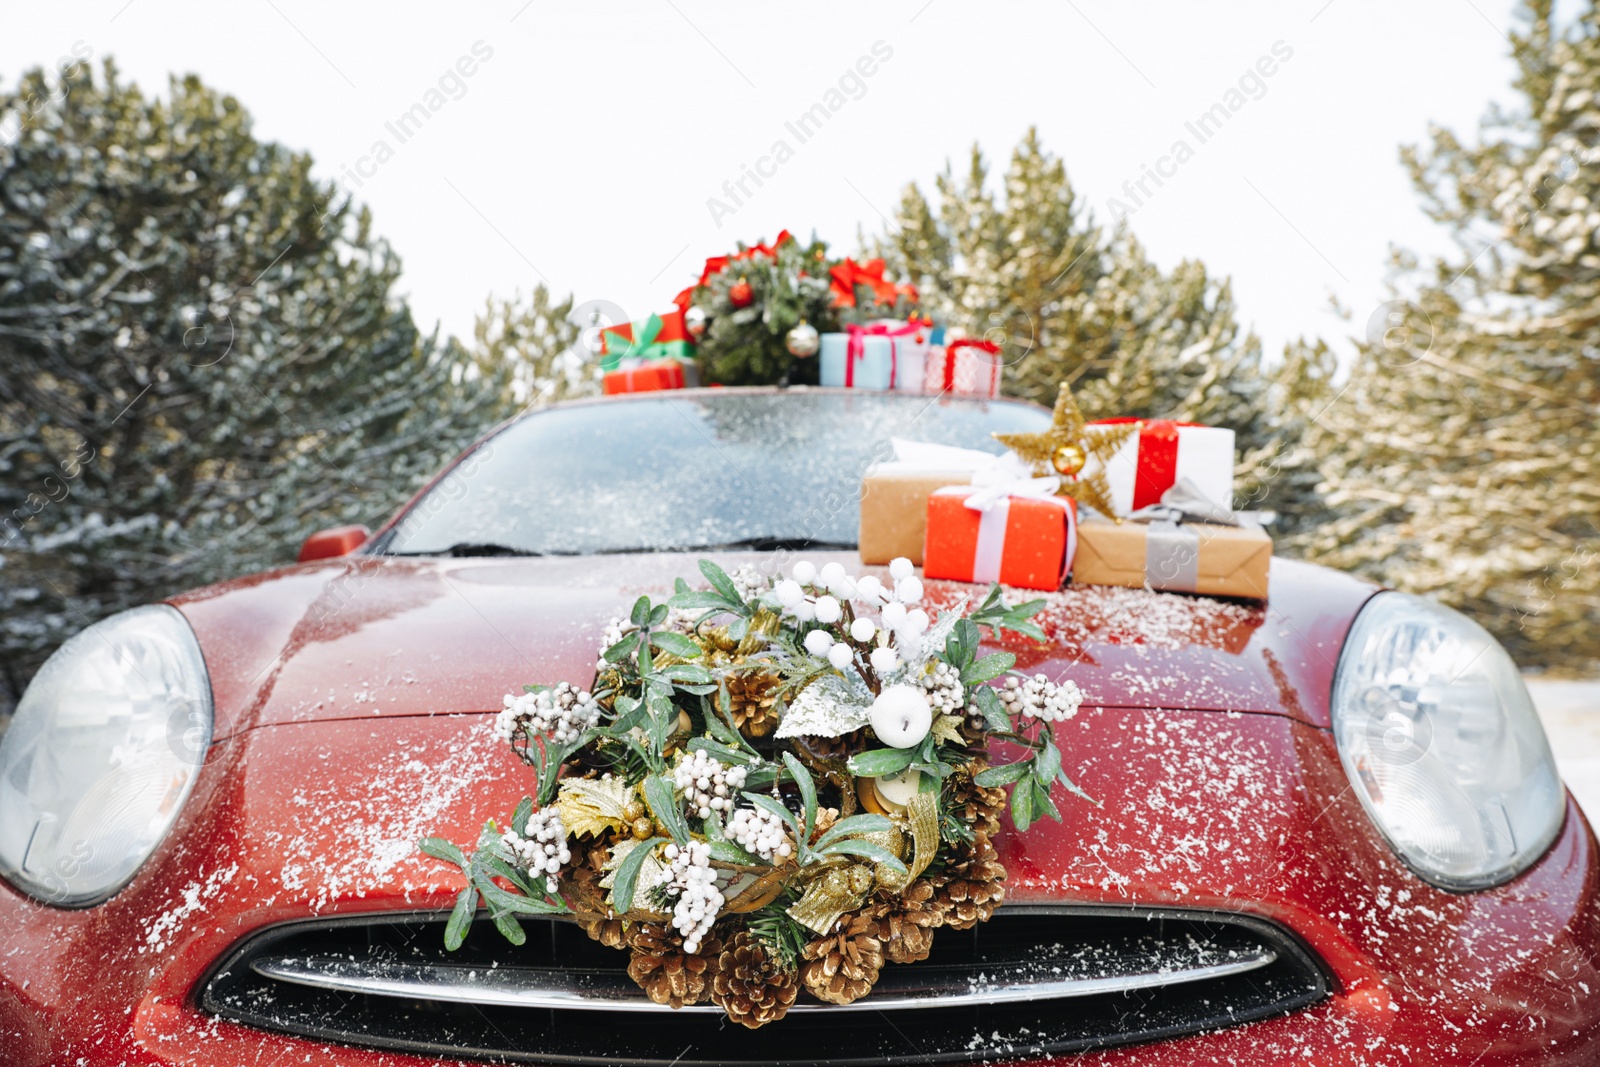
(1172,544)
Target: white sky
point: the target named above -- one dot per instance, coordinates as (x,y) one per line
(583,151)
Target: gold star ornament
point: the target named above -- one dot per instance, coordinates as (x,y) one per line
(1066,448)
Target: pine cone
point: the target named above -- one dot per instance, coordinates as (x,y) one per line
(666,973)
(581,890)
(753,699)
(843,966)
(752,987)
(842,747)
(977,806)
(905,924)
(969,890)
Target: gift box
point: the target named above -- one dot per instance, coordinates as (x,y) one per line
(1177,557)
(656,338)
(880,356)
(1020,535)
(966,366)
(645,377)
(894,494)
(1163,452)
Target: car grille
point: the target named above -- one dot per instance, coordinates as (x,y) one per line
(1030,982)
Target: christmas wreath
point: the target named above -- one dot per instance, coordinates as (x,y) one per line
(772,785)
(757,312)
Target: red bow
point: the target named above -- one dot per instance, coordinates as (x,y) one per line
(848,274)
(718,264)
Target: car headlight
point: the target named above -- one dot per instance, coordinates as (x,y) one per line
(1442,744)
(101,755)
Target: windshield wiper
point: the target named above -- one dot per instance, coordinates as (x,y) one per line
(748,544)
(479,548)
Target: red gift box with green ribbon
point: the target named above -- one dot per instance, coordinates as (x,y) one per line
(658,337)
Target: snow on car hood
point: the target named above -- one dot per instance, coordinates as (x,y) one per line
(371,636)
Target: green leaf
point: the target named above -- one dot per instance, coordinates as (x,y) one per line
(854,826)
(675,644)
(679,586)
(993,777)
(1049,761)
(663,802)
(691,673)
(994,712)
(879,762)
(500,899)
(519,818)
(1074,788)
(728,852)
(509,928)
(622,649)
(808,791)
(439,848)
(722,753)
(628,873)
(988,668)
(640,616)
(719,580)
(1042,804)
(761,800)
(455,931)
(1027,609)
(1022,806)
(866,850)
(701,600)
(1026,629)
(658,614)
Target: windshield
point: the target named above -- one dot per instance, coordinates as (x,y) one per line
(721,468)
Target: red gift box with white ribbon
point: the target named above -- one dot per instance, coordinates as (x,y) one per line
(1019,534)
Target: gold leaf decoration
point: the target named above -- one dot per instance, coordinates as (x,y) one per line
(592,806)
(831,895)
(947,729)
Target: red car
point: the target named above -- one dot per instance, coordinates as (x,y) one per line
(1331,829)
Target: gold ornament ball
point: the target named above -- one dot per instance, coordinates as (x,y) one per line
(1069,459)
(642,829)
(803,340)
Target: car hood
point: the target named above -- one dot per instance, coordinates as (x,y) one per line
(367,637)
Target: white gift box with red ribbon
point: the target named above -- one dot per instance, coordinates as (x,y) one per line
(1162,452)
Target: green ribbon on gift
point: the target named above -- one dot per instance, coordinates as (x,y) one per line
(643,345)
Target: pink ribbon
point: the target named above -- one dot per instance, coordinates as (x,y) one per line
(856,348)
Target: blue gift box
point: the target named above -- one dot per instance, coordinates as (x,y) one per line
(882,362)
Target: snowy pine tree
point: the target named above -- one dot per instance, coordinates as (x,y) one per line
(539,348)
(203,356)
(1463,460)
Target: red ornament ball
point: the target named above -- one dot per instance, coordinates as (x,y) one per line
(741,294)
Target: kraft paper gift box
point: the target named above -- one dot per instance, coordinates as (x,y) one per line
(881,356)
(995,534)
(894,493)
(1162,452)
(1185,557)
(644,378)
